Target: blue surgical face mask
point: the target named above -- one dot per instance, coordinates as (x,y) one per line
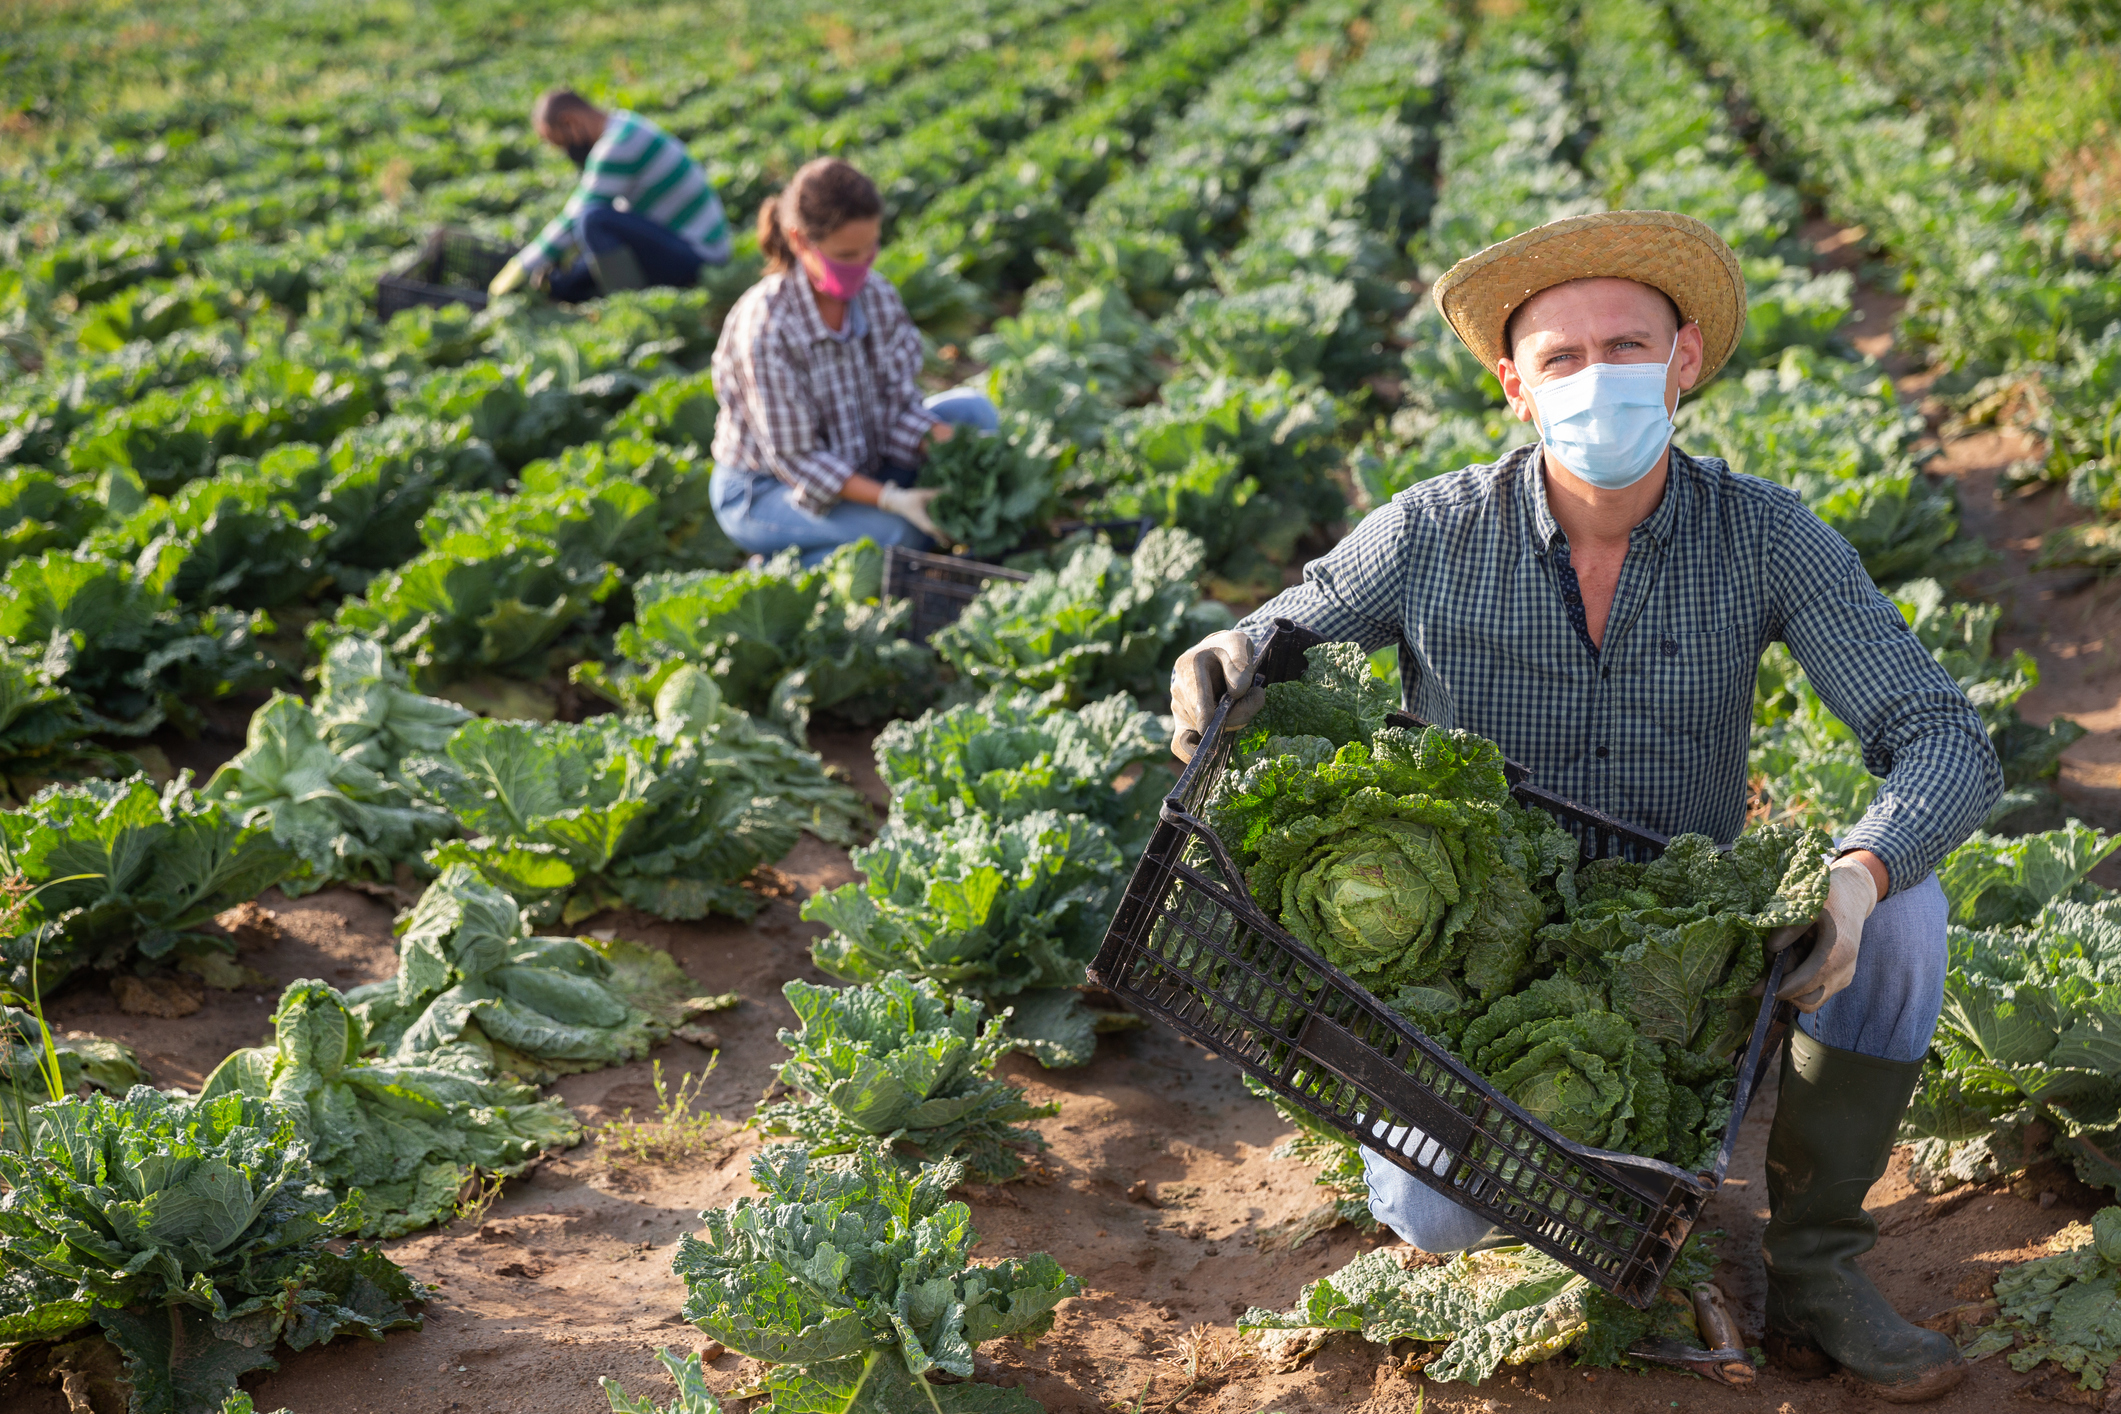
(1607,423)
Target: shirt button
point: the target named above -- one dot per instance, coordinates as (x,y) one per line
(1605,672)
(1601,753)
(1670,648)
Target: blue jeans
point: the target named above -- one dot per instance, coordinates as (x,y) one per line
(665,257)
(1888,1010)
(758,511)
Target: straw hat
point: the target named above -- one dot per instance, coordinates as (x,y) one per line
(1674,253)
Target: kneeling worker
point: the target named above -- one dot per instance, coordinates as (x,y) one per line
(642,213)
(1596,604)
(823,426)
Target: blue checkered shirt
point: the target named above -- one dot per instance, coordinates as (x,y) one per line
(1468,574)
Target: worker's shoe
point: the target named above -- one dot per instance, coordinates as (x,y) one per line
(1834,1127)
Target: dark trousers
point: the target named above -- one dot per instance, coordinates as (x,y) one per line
(660,255)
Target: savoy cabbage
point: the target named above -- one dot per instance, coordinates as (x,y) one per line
(996,491)
(1605,999)
(192,1233)
(1007,912)
(902,1062)
(2021,1057)
(852,1278)
(1102,623)
(408,1135)
(1013,752)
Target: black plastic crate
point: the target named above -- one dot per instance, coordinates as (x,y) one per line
(940,586)
(1189,946)
(452,268)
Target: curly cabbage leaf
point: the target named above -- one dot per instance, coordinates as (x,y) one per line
(1013,752)
(1102,623)
(408,1136)
(1994,881)
(902,1062)
(1338,698)
(192,1233)
(1502,1306)
(115,639)
(1002,911)
(2065,1309)
(2027,1050)
(994,491)
(43,730)
(852,1278)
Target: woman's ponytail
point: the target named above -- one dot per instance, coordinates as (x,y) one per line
(824,195)
(773,241)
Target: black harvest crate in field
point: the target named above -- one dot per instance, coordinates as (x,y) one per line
(452,268)
(1189,945)
(940,586)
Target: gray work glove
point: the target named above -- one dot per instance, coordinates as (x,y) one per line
(1219,663)
(1851,894)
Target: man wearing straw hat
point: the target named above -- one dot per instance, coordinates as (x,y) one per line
(1597,603)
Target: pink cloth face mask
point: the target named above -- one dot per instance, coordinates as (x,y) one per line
(840,279)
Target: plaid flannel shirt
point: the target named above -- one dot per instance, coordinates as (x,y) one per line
(1468,574)
(811,407)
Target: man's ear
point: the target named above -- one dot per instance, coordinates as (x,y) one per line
(1690,356)
(1513,389)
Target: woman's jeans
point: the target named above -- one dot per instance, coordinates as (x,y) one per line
(758,510)
(1888,1011)
(659,256)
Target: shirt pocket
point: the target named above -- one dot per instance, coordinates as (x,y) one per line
(1698,683)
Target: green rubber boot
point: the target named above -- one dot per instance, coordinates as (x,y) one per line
(1833,1132)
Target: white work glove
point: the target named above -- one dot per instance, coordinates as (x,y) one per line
(1851,894)
(910,503)
(512,277)
(1219,663)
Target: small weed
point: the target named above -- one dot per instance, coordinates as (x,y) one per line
(677,1133)
(478,1197)
(1207,1352)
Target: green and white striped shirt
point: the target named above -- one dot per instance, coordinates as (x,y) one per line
(638,167)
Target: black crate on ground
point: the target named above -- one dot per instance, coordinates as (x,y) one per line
(1189,946)
(452,268)
(940,586)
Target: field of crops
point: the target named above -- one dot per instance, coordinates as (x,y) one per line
(395,754)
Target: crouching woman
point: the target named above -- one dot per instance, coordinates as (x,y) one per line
(823,427)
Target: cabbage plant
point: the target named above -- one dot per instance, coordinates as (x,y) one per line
(408,1135)
(852,1278)
(469,972)
(193,1234)
(902,1062)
